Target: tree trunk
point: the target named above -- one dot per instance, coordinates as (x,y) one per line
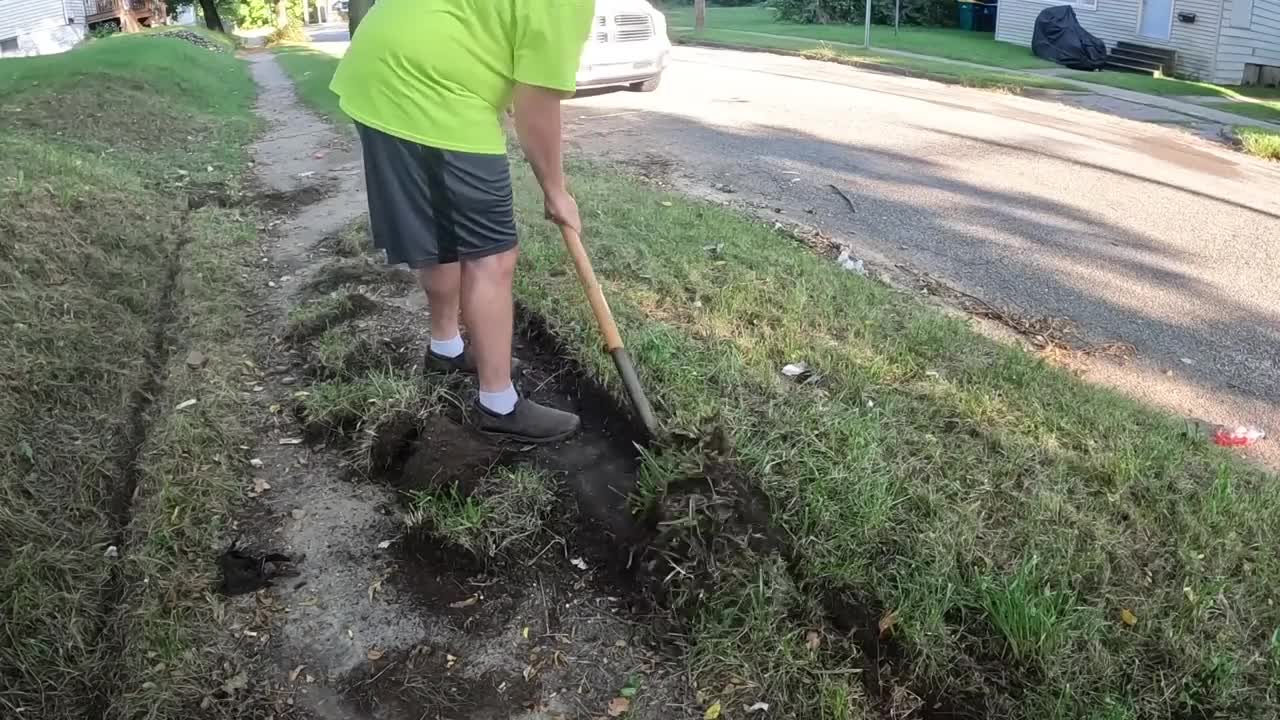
(212,19)
(282,13)
(699,15)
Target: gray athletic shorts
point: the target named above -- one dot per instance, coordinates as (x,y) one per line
(429,206)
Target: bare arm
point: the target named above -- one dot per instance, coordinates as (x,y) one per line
(537,112)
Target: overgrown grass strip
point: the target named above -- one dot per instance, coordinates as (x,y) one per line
(1048,545)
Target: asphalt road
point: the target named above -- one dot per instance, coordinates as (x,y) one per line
(1138,232)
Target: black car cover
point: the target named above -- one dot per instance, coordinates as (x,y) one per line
(1059,37)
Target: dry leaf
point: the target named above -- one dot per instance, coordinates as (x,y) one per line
(1128,617)
(812,640)
(759,707)
(293,676)
(185,404)
(255,462)
(465,603)
(375,653)
(579,563)
(450,660)
(618,706)
(290,441)
(374,588)
(260,486)
(525,633)
(887,622)
(713,712)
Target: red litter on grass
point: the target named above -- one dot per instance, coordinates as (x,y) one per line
(1238,436)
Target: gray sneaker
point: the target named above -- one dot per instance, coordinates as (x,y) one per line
(529,422)
(464,363)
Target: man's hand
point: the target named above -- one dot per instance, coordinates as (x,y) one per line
(562,210)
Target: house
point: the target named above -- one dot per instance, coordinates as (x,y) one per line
(40,27)
(1228,42)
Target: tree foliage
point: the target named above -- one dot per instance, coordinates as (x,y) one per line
(251,14)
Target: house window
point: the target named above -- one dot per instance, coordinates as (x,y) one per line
(9,47)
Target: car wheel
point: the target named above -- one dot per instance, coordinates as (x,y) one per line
(648,85)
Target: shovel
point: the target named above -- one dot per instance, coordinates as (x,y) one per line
(608,328)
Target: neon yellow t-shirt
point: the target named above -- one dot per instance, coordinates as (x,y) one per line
(440,72)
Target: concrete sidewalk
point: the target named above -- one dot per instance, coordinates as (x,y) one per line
(1181,107)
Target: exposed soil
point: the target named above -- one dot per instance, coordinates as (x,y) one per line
(387,621)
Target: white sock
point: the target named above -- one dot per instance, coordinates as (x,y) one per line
(502,402)
(450,348)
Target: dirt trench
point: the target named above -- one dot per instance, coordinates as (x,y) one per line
(380,621)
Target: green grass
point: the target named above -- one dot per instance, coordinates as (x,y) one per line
(508,507)
(1172,87)
(934,70)
(365,402)
(1000,507)
(1259,142)
(311,72)
(949,43)
(96,161)
(1269,111)
(930,467)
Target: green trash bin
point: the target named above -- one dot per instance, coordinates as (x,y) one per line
(967,12)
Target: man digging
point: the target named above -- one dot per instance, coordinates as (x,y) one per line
(427,82)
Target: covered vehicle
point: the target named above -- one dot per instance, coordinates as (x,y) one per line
(1059,37)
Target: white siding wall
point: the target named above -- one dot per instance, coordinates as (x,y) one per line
(1249,35)
(41,25)
(1116,20)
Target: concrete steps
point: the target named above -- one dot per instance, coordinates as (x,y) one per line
(1135,58)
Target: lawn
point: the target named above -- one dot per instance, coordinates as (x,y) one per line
(934,70)
(1263,110)
(111,501)
(947,43)
(1171,87)
(1033,544)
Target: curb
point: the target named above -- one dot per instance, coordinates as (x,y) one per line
(881,67)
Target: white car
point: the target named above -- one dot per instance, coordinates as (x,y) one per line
(628,46)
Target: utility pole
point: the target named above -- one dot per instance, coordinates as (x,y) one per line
(699,15)
(866,40)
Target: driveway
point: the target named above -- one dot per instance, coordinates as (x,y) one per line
(1133,232)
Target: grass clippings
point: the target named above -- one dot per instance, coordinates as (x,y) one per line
(327,312)
(506,508)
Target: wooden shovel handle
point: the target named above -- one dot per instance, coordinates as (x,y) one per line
(595,296)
